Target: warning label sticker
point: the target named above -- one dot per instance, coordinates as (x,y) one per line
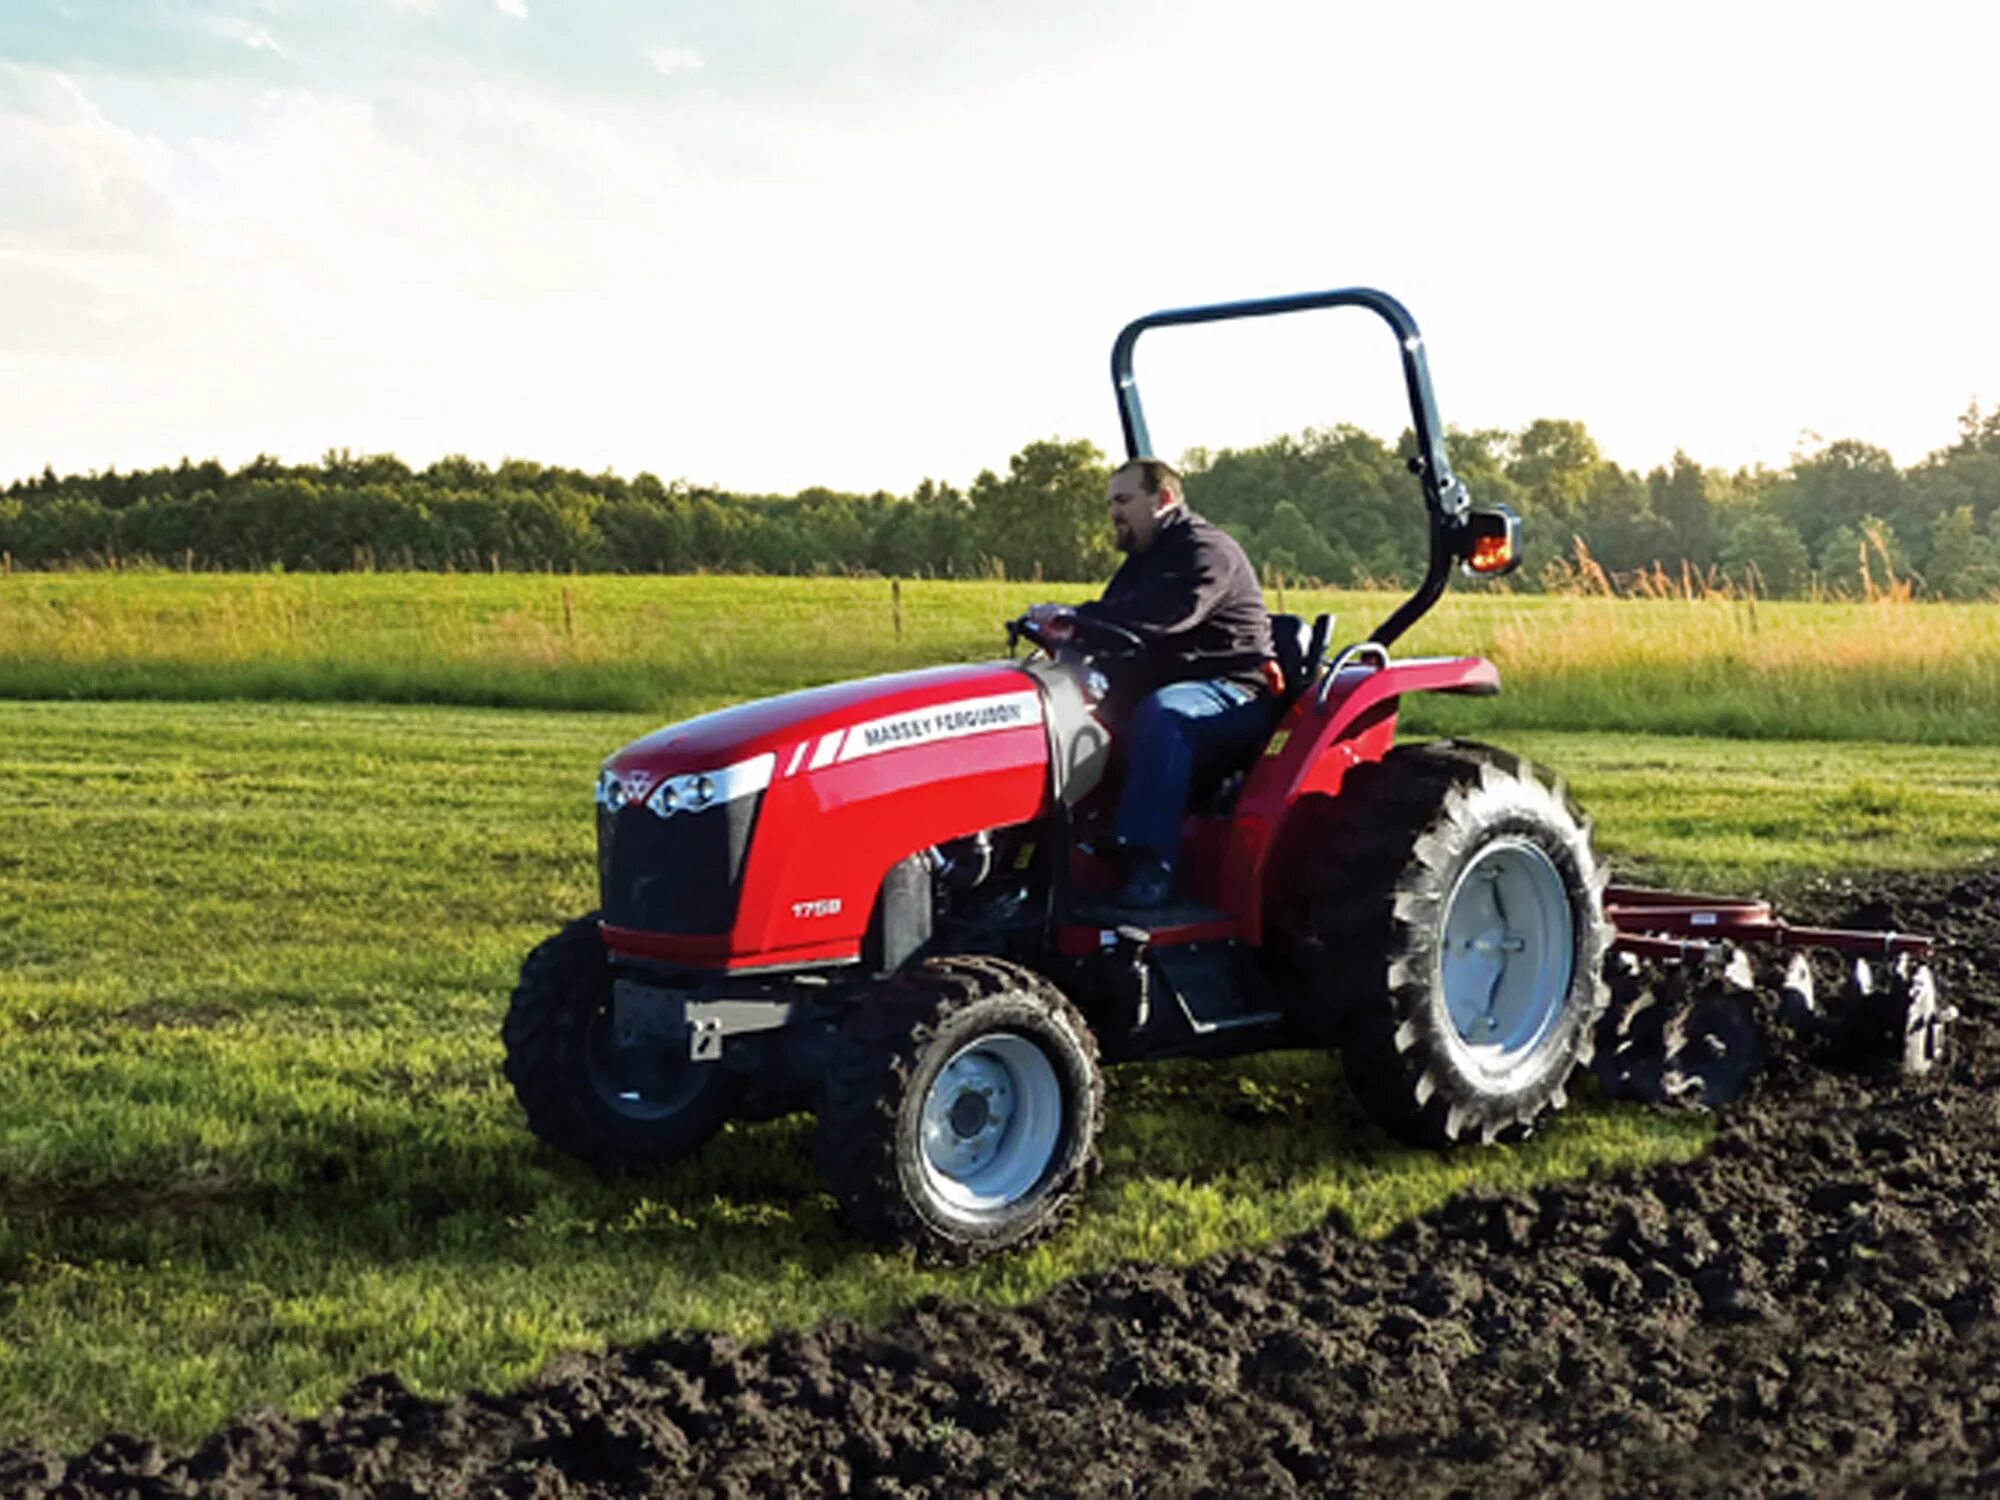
(947,721)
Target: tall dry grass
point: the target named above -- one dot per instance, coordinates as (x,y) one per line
(1676,654)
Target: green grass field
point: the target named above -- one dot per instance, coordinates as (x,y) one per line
(253,957)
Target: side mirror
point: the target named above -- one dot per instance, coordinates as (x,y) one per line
(1490,541)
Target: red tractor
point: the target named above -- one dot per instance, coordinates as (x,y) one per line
(881,901)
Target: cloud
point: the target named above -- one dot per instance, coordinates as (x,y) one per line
(672,60)
(249,33)
(74,179)
(518,9)
(417,230)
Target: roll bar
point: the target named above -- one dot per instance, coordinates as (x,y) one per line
(1445,496)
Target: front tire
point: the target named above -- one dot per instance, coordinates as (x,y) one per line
(611,1105)
(1460,915)
(961,1112)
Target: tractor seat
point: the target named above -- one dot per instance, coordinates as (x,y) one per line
(1300,649)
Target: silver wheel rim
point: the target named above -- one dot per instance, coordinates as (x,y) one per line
(647,1081)
(1509,952)
(992,1120)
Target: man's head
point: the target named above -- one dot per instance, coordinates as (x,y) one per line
(1142,494)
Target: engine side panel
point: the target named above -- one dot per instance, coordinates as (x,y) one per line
(921,761)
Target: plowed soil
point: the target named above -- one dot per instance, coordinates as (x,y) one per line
(1812,1308)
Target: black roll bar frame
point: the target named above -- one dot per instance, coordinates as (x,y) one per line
(1445,496)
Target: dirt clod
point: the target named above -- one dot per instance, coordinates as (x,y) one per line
(1813,1307)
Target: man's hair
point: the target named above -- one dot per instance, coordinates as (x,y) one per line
(1156,474)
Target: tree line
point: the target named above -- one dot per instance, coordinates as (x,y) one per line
(1330,505)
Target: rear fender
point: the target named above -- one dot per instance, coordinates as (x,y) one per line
(1327,733)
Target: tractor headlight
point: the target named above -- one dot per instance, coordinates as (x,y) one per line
(701,789)
(611,792)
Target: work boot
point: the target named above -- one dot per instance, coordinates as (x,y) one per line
(1148,886)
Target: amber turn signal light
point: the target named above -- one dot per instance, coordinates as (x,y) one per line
(1491,541)
(1491,554)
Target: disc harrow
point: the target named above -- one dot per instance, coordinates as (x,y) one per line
(1693,1016)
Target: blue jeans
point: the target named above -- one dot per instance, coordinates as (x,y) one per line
(1183,729)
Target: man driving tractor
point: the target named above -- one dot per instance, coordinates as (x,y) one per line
(857,898)
(1205,686)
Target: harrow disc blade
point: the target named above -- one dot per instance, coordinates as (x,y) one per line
(1682,1035)
(1861,983)
(1798,998)
(1913,1000)
(1630,1040)
(1735,972)
(1722,1046)
(1891,1018)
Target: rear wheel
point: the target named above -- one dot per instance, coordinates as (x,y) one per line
(1455,911)
(608,1100)
(961,1111)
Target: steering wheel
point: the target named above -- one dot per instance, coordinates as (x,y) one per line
(1111,639)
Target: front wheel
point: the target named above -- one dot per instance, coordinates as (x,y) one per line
(608,1100)
(1464,919)
(961,1110)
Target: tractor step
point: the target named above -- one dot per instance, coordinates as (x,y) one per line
(1207,988)
(1092,929)
(1183,997)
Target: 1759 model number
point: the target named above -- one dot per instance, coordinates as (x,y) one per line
(828,906)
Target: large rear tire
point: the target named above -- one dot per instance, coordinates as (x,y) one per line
(1457,928)
(961,1111)
(612,1105)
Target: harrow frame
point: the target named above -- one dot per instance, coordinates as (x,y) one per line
(1663,924)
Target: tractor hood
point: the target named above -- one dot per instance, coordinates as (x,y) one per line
(744,748)
(761,834)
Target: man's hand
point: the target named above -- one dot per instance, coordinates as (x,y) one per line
(1056,622)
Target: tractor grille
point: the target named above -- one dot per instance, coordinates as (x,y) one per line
(674,875)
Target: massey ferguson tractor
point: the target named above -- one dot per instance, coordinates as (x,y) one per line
(882,901)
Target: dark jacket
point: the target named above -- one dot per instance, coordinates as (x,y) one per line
(1192,596)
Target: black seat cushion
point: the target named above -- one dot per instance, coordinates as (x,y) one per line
(1290,636)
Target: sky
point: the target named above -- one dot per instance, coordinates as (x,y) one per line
(766,244)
